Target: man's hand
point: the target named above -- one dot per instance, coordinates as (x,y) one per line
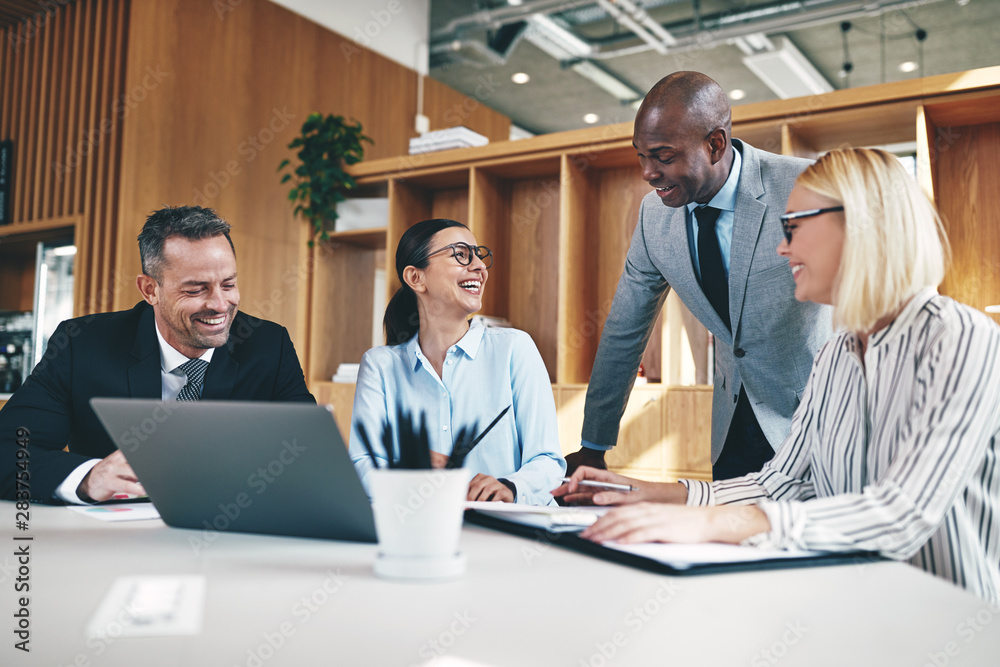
(656,522)
(593,458)
(574,493)
(486,488)
(112,475)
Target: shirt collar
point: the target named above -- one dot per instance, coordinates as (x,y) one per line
(471,340)
(469,344)
(725,198)
(170,358)
(905,319)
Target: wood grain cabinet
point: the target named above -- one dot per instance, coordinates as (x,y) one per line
(559,211)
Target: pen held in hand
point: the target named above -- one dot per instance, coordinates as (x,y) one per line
(624,488)
(462,450)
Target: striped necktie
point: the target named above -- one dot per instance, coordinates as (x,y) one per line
(194,369)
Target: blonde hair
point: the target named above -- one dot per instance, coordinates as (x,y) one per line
(894,244)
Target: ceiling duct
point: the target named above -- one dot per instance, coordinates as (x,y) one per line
(783,68)
(551,36)
(475,53)
(556,39)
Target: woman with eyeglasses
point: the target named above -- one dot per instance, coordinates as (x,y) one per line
(893,448)
(455,376)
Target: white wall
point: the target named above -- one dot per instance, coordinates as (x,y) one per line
(397,29)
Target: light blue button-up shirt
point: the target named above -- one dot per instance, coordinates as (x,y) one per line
(485,372)
(725,201)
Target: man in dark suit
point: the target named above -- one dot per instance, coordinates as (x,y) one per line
(184,341)
(710,231)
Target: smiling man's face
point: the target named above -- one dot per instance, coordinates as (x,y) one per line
(196,297)
(676,156)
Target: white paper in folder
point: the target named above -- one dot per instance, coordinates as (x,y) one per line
(552,518)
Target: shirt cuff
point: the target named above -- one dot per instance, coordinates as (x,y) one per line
(510,485)
(787,522)
(67,490)
(699,493)
(587,444)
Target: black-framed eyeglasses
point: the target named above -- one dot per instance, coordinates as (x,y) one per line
(463,252)
(798,215)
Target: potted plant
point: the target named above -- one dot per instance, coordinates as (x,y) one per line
(326,146)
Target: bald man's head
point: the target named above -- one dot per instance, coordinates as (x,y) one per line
(682,138)
(703,101)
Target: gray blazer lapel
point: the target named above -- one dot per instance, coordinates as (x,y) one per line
(746,230)
(684,280)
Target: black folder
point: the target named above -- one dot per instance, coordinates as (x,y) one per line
(573,542)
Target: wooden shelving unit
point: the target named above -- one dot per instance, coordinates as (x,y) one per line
(559,211)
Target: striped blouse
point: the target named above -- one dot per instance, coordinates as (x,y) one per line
(895,453)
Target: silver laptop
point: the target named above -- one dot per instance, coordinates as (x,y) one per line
(249,467)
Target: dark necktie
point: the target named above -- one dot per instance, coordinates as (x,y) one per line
(713,273)
(195,372)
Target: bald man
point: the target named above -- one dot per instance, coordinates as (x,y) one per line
(709,230)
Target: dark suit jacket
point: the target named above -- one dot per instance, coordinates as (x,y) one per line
(118,355)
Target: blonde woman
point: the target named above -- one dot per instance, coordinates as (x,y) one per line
(894,446)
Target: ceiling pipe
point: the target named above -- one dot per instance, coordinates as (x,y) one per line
(724,28)
(640,15)
(491,19)
(703,33)
(627,21)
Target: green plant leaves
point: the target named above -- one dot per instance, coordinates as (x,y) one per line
(327,144)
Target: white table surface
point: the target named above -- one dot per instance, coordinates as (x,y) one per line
(521,602)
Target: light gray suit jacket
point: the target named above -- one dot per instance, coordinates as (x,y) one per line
(774,339)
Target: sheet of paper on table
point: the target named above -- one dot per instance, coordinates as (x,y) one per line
(132,512)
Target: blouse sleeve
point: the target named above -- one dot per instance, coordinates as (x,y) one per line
(542,463)
(952,422)
(368,415)
(787,476)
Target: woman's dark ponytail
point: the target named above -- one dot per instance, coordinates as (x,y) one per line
(402,319)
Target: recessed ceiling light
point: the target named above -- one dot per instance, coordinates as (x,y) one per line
(520,77)
(737,94)
(591,118)
(908,66)
(514,3)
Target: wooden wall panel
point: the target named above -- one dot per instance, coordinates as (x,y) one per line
(488,204)
(533,265)
(61,91)
(578,285)
(339,338)
(218,120)
(966,185)
(446,107)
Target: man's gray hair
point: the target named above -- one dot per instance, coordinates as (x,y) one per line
(189,222)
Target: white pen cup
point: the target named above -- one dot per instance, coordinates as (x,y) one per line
(418,519)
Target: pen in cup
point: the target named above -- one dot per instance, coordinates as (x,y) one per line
(625,488)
